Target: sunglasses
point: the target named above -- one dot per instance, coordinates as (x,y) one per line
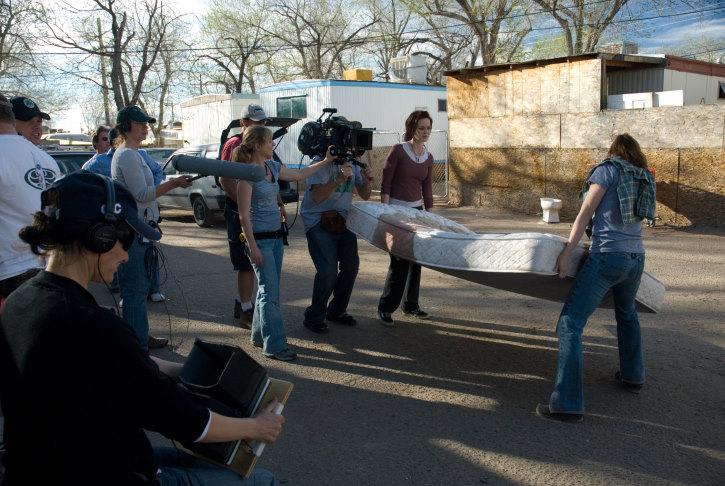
(105,139)
(125,235)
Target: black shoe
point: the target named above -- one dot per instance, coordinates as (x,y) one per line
(345,319)
(284,355)
(385,318)
(542,410)
(156,343)
(419,313)
(630,387)
(319,327)
(237,309)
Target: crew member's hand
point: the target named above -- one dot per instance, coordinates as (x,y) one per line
(255,255)
(183,181)
(562,263)
(268,424)
(369,173)
(329,157)
(282,214)
(345,172)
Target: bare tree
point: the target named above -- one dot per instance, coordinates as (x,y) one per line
(239,44)
(318,36)
(582,21)
(390,37)
(17,59)
(487,19)
(132,35)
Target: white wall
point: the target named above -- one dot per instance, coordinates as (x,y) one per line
(204,117)
(699,89)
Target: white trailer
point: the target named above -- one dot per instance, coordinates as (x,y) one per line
(205,117)
(382,106)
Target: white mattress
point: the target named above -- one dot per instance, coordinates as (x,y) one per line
(518,262)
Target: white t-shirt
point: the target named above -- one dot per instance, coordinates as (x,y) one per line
(25,171)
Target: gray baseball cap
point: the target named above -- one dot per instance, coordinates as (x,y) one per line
(254,112)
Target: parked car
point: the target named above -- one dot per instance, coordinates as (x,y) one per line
(70,160)
(160,155)
(205,197)
(68,138)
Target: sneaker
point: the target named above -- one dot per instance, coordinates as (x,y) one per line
(630,387)
(237,309)
(157,297)
(284,355)
(419,313)
(385,318)
(246,318)
(319,327)
(543,410)
(156,343)
(345,319)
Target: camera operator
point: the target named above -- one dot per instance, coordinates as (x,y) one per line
(328,197)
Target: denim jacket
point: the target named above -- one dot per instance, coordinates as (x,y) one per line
(636,190)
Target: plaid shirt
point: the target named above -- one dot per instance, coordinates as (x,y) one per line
(636,190)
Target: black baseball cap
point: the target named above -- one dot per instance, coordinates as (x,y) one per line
(82,196)
(24,109)
(133,113)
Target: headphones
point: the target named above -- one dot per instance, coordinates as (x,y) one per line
(101,237)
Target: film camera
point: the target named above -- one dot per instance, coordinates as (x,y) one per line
(348,138)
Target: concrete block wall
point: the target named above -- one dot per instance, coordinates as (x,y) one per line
(519,135)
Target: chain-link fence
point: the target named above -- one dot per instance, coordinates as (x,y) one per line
(437,145)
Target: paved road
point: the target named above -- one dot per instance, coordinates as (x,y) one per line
(451,400)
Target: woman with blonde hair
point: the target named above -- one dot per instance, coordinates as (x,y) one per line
(618,194)
(259,217)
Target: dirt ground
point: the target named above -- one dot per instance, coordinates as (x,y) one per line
(451,400)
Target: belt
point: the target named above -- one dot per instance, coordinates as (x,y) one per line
(269,235)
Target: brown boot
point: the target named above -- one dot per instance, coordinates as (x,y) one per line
(246,318)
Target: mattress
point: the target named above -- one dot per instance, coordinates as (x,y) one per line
(517,262)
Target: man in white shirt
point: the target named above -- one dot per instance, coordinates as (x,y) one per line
(25,171)
(28,118)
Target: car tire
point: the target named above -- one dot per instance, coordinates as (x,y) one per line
(202,215)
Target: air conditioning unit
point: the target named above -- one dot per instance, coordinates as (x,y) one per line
(408,69)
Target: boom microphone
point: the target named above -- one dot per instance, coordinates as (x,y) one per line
(219,168)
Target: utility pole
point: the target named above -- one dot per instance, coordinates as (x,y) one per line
(104,86)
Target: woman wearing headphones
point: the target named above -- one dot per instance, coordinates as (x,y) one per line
(129,168)
(76,386)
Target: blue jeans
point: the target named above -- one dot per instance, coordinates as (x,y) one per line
(267,324)
(327,251)
(620,272)
(134,279)
(155,277)
(175,465)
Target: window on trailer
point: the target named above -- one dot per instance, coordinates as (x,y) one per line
(292,107)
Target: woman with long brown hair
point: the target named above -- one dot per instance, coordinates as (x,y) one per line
(407,181)
(618,194)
